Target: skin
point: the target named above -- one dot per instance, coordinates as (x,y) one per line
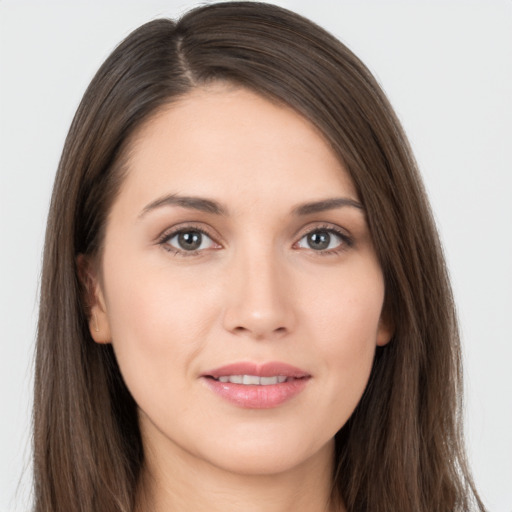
(255,291)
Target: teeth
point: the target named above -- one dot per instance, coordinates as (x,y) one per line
(252,380)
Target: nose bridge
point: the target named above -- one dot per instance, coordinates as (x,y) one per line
(258,294)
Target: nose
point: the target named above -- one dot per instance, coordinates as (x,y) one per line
(259,297)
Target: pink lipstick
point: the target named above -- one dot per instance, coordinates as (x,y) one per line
(257,386)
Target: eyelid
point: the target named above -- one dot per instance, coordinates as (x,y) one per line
(167,234)
(347,239)
(171,232)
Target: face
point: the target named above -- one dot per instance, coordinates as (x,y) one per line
(239,285)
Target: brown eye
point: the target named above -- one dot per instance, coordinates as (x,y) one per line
(189,240)
(323,240)
(319,240)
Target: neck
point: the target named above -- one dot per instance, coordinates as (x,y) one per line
(176,480)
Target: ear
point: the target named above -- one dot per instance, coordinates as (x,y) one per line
(93,300)
(386,328)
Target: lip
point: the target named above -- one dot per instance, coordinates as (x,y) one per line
(260,370)
(257,396)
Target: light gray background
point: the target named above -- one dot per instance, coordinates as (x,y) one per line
(446,66)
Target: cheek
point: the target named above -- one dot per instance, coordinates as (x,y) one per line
(344,321)
(156,326)
(346,309)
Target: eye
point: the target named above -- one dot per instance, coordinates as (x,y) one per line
(323,239)
(188,240)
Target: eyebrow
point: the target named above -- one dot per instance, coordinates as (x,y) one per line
(192,203)
(326,204)
(211,206)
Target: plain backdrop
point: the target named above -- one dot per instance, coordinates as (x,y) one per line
(447,68)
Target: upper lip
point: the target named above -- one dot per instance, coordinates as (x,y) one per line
(269,369)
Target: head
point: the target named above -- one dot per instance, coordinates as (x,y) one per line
(398,447)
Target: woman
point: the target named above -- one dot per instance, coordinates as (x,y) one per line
(244,302)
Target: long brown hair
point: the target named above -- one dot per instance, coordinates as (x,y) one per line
(402,448)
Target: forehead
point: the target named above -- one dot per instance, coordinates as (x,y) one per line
(231,144)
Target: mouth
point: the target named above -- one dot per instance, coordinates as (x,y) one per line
(253,380)
(257,386)
(256,373)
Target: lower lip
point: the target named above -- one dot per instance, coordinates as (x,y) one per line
(257,397)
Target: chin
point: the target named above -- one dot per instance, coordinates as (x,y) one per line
(268,455)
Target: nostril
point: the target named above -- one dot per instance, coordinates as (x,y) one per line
(259,319)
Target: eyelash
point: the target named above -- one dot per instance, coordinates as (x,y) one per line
(168,235)
(346,241)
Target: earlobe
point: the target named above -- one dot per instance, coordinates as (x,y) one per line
(386,327)
(99,326)
(385,331)
(93,300)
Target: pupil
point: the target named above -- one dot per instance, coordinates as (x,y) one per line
(190,240)
(319,240)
